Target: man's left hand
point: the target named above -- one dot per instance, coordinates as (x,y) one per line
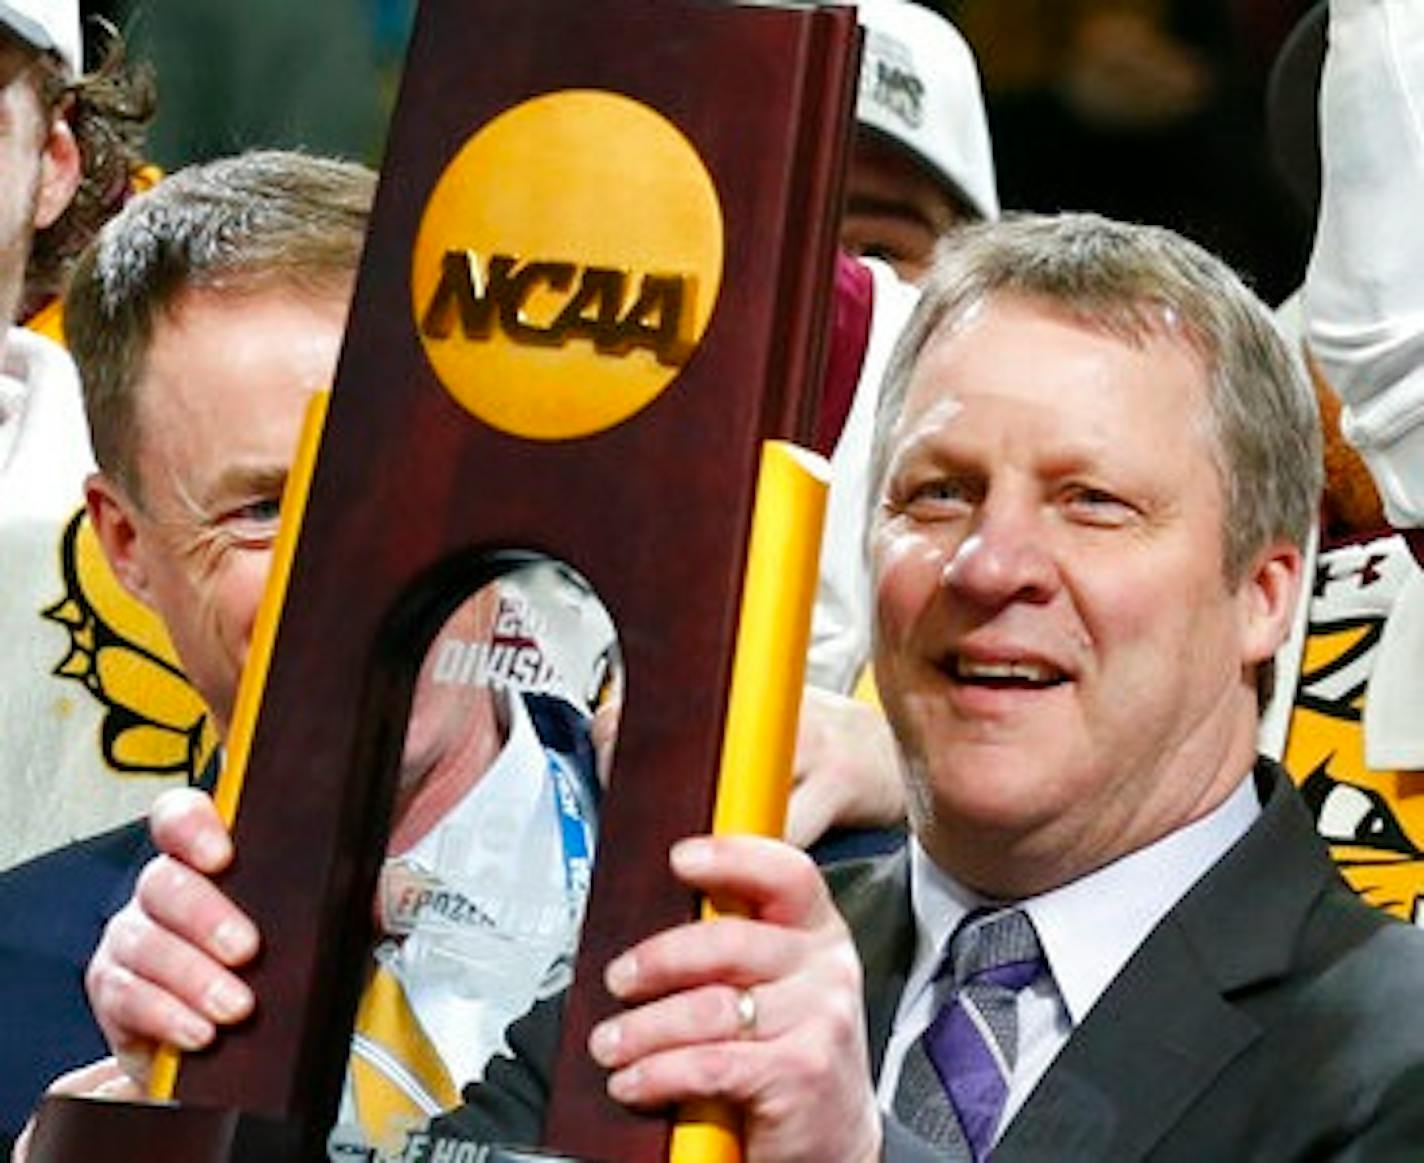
(763,1011)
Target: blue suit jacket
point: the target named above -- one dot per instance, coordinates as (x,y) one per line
(52,910)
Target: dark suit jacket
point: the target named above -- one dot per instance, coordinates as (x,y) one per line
(1270,1016)
(52,910)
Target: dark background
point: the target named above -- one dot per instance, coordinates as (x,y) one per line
(1144,109)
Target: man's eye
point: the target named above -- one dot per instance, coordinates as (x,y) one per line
(886,252)
(260,512)
(935,499)
(1097,506)
(941,491)
(255,521)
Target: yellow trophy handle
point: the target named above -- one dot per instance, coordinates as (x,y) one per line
(768,671)
(164,1076)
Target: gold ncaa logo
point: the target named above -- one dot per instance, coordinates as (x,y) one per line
(567,264)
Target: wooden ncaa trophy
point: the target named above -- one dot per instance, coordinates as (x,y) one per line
(596,283)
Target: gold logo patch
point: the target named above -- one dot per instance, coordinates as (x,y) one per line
(154,723)
(1372,820)
(567,264)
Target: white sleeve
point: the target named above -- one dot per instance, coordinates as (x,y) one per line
(1364,291)
(840,626)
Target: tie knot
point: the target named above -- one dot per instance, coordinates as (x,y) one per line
(994,948)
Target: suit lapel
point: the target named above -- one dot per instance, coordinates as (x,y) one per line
(876,906)
(1167,1027)
(1159,1036)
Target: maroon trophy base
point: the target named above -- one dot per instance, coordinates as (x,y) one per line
(98,1131)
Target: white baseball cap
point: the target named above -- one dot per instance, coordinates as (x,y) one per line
(47,25)
(919,90)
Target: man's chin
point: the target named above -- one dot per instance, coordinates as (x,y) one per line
(992,785)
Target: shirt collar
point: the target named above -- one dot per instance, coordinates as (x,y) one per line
(1090,927)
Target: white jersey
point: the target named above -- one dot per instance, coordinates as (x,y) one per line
(63,752)
(488,905)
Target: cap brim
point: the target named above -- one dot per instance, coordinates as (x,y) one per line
(25,29)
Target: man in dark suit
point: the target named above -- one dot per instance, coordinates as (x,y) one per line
(1114,934)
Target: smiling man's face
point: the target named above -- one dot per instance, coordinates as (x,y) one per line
(1066,666)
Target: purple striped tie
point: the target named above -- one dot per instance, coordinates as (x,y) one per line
(955,1078)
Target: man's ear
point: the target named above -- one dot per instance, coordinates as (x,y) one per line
(1268,594)
(113,516)
(61,169)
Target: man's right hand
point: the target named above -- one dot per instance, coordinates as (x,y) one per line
(163,971)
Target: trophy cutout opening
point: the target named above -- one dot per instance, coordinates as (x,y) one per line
(508,737)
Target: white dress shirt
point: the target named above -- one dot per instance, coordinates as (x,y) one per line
(1088,929)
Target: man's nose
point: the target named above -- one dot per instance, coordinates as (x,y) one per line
(1005,558)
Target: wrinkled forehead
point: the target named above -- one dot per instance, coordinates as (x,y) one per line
(248,354)
(1139,324)
(1150,334)
(1135,321)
